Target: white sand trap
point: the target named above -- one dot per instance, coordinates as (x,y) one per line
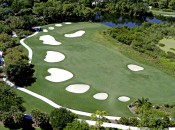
(51,28)
(58,75)
(101,96)
(58,25)
(67,23)
(135,67)
(76,34)
(123,99)
(78,88)
(47,39)
(53,56)
(45,30)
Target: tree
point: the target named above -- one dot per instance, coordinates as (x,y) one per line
(17,5)
(40,119)
(59,118)
(141,102)
(20,73)
(9,100)
(172,5)
(12,119)
(99,117)
(77,125)
(163,4)
(153,119)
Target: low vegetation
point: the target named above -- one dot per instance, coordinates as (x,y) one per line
(149,115)
(145,40)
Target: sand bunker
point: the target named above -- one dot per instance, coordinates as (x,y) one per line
(51,28)
(45,30)
(78,88)
(47,39)
(53,56)
(135,67)
(101,96)
(58,25)
(123,99)
(67,23)
(76,34)
(58,75)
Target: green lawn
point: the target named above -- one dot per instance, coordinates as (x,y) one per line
(102,67)
(160,12)
(169,43)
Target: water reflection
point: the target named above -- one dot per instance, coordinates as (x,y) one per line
(131,22)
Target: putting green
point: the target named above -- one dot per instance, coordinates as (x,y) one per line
(169,43)
(98,65)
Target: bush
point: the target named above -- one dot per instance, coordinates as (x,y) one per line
(22,33)
(170,55)
(172,49)
(167,10)
(157,9)
(133,121)
(161,44)
(166,105)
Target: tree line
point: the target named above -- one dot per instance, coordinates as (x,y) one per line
(166,5)
(13,116)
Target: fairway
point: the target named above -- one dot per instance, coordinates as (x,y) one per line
(101,67)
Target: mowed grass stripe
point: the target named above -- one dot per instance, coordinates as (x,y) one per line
(101,67)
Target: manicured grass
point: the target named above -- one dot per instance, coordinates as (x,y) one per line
(93,61)
(160,12)
(32,103)
(169,43)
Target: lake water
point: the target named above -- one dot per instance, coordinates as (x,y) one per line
(131,22)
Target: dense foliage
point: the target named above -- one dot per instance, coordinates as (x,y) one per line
(145,39)
(21,73)
(166,5)
(59,118)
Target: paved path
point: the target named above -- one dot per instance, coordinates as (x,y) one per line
(27,47)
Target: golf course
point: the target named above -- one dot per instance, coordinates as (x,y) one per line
(65,62)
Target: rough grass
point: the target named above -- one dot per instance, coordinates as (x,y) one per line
(95,61)
(169,44)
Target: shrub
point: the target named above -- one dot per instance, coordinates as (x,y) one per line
(166,105)
(133,121)
(170,55)
(167,10)
(172,49)
(161,44)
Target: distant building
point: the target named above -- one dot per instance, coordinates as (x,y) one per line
(96,2)
(14,34)
(1,60)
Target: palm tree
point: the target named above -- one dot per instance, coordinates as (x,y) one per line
(141,102)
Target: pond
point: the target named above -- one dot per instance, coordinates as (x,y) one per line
(113,21)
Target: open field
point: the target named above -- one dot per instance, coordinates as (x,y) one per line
(95,64)
(169,44)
